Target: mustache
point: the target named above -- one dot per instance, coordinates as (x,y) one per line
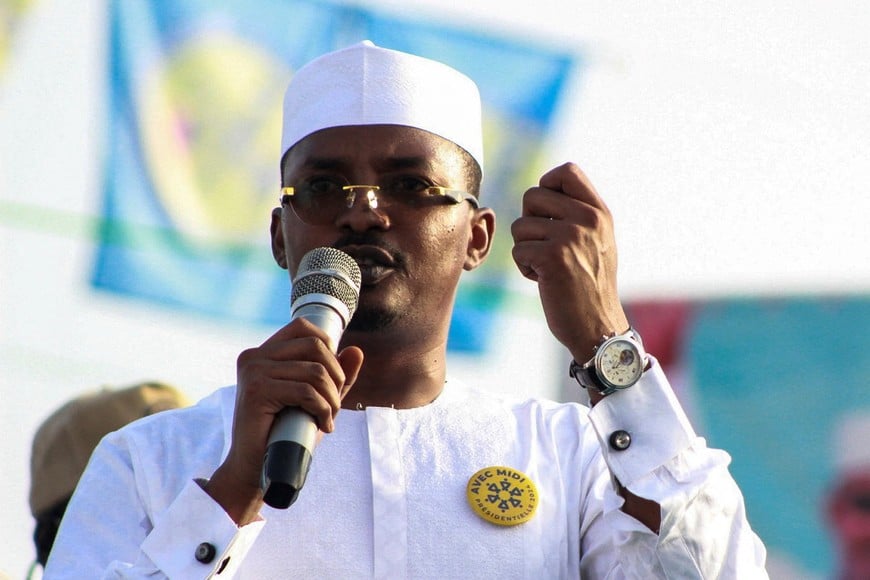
(371,239)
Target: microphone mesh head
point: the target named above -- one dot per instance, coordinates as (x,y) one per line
(331,272)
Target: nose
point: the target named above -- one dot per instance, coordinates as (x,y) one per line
(363,210)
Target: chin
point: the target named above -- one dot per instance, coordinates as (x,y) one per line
(371,320)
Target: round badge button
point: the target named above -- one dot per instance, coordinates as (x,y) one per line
(502,495)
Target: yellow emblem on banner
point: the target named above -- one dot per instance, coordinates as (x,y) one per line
(502,495)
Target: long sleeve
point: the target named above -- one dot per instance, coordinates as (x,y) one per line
(704,531)
(141,515)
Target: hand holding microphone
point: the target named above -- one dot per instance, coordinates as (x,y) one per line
(325,292)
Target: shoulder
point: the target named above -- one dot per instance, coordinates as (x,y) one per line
(156,456)
(197,430)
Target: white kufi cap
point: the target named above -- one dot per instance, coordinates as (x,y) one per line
(368,85)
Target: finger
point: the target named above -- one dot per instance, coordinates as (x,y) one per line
(570,180)
(351,360)
(546,203)
(320,404)
(528,228)
(523,263)
(539,260)
(532,235)
(302,340)
(269,386)
(289,373)
(306,379)
(557,206)
(307,348)
(314,374)
(303,395)
(297,328)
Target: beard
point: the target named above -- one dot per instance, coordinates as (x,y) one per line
(371,319)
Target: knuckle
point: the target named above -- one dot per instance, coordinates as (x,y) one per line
(312,400)
(314,343)
(308,395)
(321,375)
(595,218)
(245,357)
(253,383)
(578,233)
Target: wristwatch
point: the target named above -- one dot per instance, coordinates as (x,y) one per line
(618,363)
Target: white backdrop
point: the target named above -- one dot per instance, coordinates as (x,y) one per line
(729,138)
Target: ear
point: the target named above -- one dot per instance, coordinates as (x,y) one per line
(480,238)
(277,232)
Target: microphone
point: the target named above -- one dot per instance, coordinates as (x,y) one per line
(325,292)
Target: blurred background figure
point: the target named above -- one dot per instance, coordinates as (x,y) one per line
(63,444)
(848,502)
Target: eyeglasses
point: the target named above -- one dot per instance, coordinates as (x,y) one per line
(320,201)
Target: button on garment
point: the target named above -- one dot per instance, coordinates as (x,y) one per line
(620,440)
(205,553)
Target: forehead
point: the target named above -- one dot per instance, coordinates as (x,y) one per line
(376,148)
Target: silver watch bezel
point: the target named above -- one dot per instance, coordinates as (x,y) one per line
(591,372)
(601,372)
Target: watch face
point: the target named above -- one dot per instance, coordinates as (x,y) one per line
(620,363)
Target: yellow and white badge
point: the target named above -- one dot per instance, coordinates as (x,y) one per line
(502,495)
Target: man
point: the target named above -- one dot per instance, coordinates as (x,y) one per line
(418,476)
(847,508)
(64,442)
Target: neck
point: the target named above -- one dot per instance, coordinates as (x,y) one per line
(403,378)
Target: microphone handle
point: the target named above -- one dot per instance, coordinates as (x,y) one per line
(288,457)
(294,433)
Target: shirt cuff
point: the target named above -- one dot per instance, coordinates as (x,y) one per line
(195,538)
(641,428)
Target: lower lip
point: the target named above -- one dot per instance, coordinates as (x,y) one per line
(374,274)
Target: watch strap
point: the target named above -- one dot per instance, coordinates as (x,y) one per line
(587,378)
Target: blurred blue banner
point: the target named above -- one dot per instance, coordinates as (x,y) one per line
(772,381)
(193,144)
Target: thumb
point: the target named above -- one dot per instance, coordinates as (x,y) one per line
(351,359)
